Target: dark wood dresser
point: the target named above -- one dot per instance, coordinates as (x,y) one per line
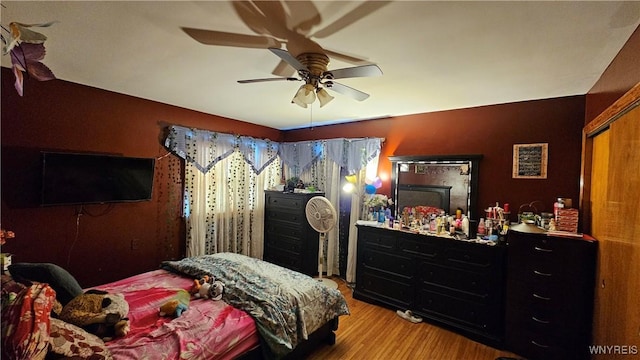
(452,283)
(549,302)
(289,240)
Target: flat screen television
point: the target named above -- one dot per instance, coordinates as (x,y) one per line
(73,178)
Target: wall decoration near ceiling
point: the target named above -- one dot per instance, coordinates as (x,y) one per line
(26,48)
(530,161)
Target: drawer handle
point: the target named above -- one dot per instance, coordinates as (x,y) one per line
(539,345)
(542,249)
(541,297)
(541,273)
(540,321)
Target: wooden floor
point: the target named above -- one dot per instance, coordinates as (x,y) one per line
(375,332)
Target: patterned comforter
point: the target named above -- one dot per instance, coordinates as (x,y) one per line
(286,305)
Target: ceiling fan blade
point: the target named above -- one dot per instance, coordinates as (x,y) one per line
(284,55)
(268,79)
(346,90)
(283,69)
(303,15)
(351,17)
(356,71)
(352,59)
(213,37)
(267,17)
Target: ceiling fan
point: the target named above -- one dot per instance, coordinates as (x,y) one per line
(312,69)
(289,24)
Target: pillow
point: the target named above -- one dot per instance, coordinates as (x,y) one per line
(59,279)
(70,341)
(25,323)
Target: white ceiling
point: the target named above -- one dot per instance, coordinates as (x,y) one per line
(434,55)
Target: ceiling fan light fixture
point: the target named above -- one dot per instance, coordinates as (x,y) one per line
(297,101)
(323,97)
(306,94)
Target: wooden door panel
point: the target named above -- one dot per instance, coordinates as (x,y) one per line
(615,215)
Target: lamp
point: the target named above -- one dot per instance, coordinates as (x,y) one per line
(323,96)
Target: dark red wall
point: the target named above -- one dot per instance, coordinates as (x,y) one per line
(58,115)
(621,75)
(491,131)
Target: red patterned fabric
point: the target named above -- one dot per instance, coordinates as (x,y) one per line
(25,322)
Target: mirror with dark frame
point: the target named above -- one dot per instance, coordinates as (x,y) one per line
(446,182)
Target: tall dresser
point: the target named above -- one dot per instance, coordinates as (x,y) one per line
(549,298)
(289,240)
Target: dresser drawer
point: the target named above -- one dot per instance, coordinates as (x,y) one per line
(376,240)
(288,216)
(277,242)
(546,346)
(452,308)
(474,286)
(425,248)
(285,229)
(533,272)
(387,263)
(546,275)
(377,286)
(474,258)
(285,201)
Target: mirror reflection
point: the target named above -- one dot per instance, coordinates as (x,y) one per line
(445,183)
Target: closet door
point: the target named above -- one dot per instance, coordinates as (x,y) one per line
(615,222)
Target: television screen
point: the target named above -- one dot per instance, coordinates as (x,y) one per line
(71,178)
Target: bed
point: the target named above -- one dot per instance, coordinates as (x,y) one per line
(266,312)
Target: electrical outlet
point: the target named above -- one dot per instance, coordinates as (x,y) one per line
(134,244)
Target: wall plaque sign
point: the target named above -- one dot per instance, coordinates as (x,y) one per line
(530,161)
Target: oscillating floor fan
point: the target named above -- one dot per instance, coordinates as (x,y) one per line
(322,217)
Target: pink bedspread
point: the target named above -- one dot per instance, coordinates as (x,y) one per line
(207,330)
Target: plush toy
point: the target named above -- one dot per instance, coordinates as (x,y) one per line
(197,284)
(177,305)
(203,291)
(98,312)
(216,290)
(208,288)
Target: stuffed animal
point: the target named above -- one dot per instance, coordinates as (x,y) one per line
(99,313)
(208,288)
(203,291)
(177,305)
(197,284)
(216,290)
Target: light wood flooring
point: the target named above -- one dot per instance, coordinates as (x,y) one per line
(375,332)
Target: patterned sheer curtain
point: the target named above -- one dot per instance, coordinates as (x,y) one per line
(225,179)
(321,163)
(226,176)
(368,172)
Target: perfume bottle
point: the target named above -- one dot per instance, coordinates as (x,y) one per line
(481,229)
